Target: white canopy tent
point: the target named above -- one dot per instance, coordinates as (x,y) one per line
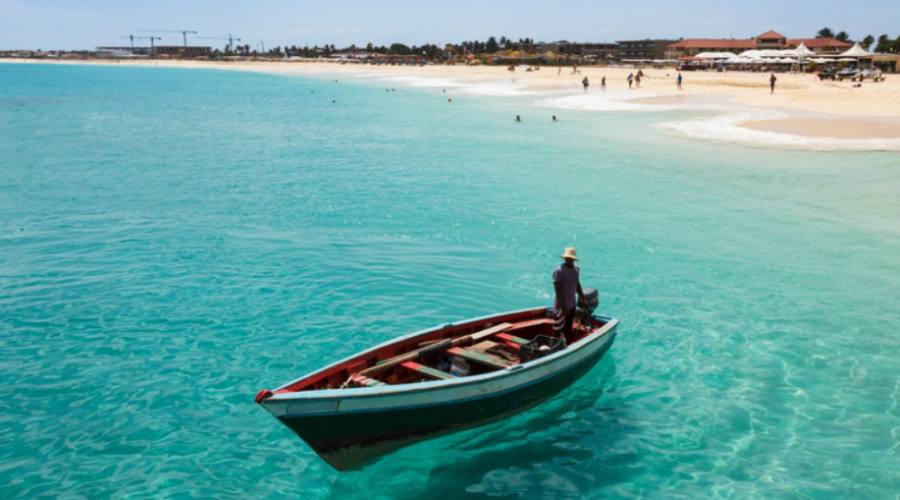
(856,51)
(777,54)
(716,55)
(803,51)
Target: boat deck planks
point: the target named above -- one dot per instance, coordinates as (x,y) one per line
(427,371)
(365,381)
(482,358)
(519,341)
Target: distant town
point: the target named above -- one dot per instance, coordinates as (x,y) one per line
(493,51)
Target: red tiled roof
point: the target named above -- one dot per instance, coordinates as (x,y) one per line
(817,42)
(730,43)
(713,43)
(771,34)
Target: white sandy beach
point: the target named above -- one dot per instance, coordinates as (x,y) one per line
(803,112)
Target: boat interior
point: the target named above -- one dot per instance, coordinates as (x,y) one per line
(452,351)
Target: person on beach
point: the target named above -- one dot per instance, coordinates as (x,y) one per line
(678,81)
(585,83)
(567,284)
(603,82)
(772,81)
(637,79)
(630,79)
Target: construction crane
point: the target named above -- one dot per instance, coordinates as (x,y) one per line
(131,38)
(231,39)
(151,38)
(184,33)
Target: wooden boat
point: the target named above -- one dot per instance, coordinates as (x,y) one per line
(436,381)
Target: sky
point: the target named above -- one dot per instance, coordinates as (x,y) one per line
(85,24)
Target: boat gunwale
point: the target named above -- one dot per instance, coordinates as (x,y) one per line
(386,389)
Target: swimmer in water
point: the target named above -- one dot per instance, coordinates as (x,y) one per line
(518,118)
(554,117)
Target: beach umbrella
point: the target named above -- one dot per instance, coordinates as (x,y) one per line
(750,53)
(846,59)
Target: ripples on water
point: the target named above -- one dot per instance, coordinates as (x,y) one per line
(172,241)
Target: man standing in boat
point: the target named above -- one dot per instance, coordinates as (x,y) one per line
(567,284)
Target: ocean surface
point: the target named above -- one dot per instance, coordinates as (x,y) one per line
(172,241)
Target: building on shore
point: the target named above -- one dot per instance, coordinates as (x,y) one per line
(164,51)
(122,52)
(886,62)
(580,52)
(648,49)
(769,40)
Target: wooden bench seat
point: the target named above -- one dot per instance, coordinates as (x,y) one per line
(512,339)
(426,370)
(482,358)
(530,324)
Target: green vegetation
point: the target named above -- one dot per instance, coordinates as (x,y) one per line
(429,51)
(886,44)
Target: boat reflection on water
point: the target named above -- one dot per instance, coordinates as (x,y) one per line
(554,436)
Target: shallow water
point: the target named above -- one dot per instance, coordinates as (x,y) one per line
(171,241)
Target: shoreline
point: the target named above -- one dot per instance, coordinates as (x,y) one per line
(802,113)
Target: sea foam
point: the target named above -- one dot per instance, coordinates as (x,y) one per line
(618,101)
(728,128)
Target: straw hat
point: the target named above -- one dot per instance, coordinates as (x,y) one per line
(569,254)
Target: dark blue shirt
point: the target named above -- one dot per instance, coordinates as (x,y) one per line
(567,279)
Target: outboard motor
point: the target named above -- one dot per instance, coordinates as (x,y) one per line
(587,307)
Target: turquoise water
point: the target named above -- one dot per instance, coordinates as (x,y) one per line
(171,241)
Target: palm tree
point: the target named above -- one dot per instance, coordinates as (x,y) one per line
(867,42)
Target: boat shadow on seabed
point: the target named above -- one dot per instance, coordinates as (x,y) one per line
(554,432)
